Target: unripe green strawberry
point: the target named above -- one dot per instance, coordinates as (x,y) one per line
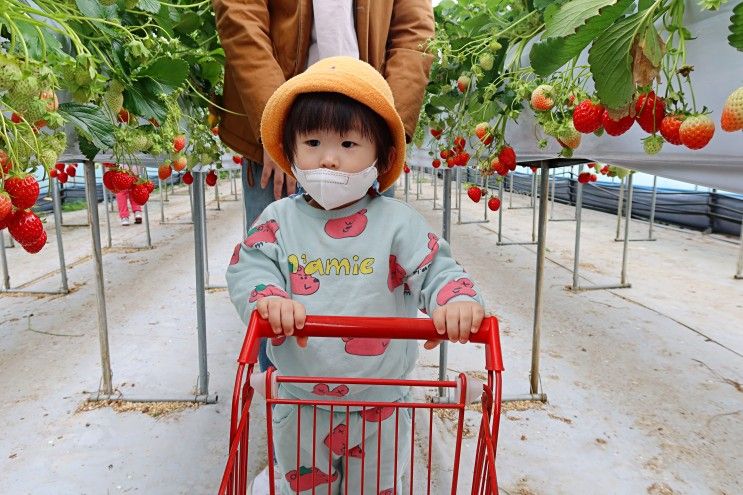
(494,46)
(48,157)
(113,99)
(652,144)
(486,61)
(10,74)
(35,110)
(27,87)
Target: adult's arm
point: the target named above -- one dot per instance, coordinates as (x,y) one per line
(407,62)
(243,28)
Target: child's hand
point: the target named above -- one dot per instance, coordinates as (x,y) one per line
(284,315)
(456,320)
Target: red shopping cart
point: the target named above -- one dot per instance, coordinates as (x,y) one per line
(235,480)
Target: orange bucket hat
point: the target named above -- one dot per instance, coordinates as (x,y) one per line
(345,75)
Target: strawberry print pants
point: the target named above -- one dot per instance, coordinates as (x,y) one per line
(350,449)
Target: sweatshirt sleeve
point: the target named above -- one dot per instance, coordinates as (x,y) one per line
(254,271)
(427,269)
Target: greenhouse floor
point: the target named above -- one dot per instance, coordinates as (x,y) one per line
(644,385)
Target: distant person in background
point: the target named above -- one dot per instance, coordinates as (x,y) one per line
(269,41)
(122,198)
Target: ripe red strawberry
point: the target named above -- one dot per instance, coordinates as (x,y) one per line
(179,163)
(24,191)
(584,177)
(436,163)
(594,178)
(15,118)
(59,166)
(507,157)
(237,159)
(731,119)
(122,181)
(25,227)
(53,173)
(669,128)
(187,178)
(450,162)
(436,133)
(164,171)
(494,203)
(541,98)
(445,154)
(463,83)
(139,193)
(5,163)
(482,131)
(107,180)
(459,142)
(62,177)
(650,111)
(150,186)
(211,178)
(461,159)
(616,127)
(71,170)
(215,130)
(475,193)
(124,116)
(5,207)
(179,142)
(696,131)
(406,169)
(587,116)
(497,166)
(35,247)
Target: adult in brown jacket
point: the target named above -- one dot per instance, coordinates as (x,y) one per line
(266,42)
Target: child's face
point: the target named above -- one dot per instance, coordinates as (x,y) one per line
(350,152)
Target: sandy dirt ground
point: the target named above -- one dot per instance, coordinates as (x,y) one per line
(644,385)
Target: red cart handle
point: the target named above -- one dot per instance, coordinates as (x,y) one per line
(373,327)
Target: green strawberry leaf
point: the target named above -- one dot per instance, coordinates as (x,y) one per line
(168,71)
(91,122)
(142,98)
(736,28)
(610,59)
(551,54)
(87,148)
(152,6)
(573,15)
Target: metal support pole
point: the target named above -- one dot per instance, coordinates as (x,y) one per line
(105,206)
(628,218)
(147,225)
(500,210)
(459,186)
(202,387)
(54,186)
(553,172)
(162,202)
(542,191)
(205,237)
(620,204)
(234,184)
(446,234)
(216,194)
(510,190)
(578,210)
(652,208)
(541,252)
(4,261)
(417,183)
(435,187)
(95,235)
(739,271)
(166,190)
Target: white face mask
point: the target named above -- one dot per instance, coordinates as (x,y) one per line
(333,188)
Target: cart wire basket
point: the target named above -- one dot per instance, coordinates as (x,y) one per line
(454,397)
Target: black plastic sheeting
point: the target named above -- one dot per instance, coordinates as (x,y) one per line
(704,211)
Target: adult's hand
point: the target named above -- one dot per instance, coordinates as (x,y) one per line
(279,177)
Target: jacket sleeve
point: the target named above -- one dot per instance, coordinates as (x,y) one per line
(254,271)
(407,63)
(243,29)
(430,273)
